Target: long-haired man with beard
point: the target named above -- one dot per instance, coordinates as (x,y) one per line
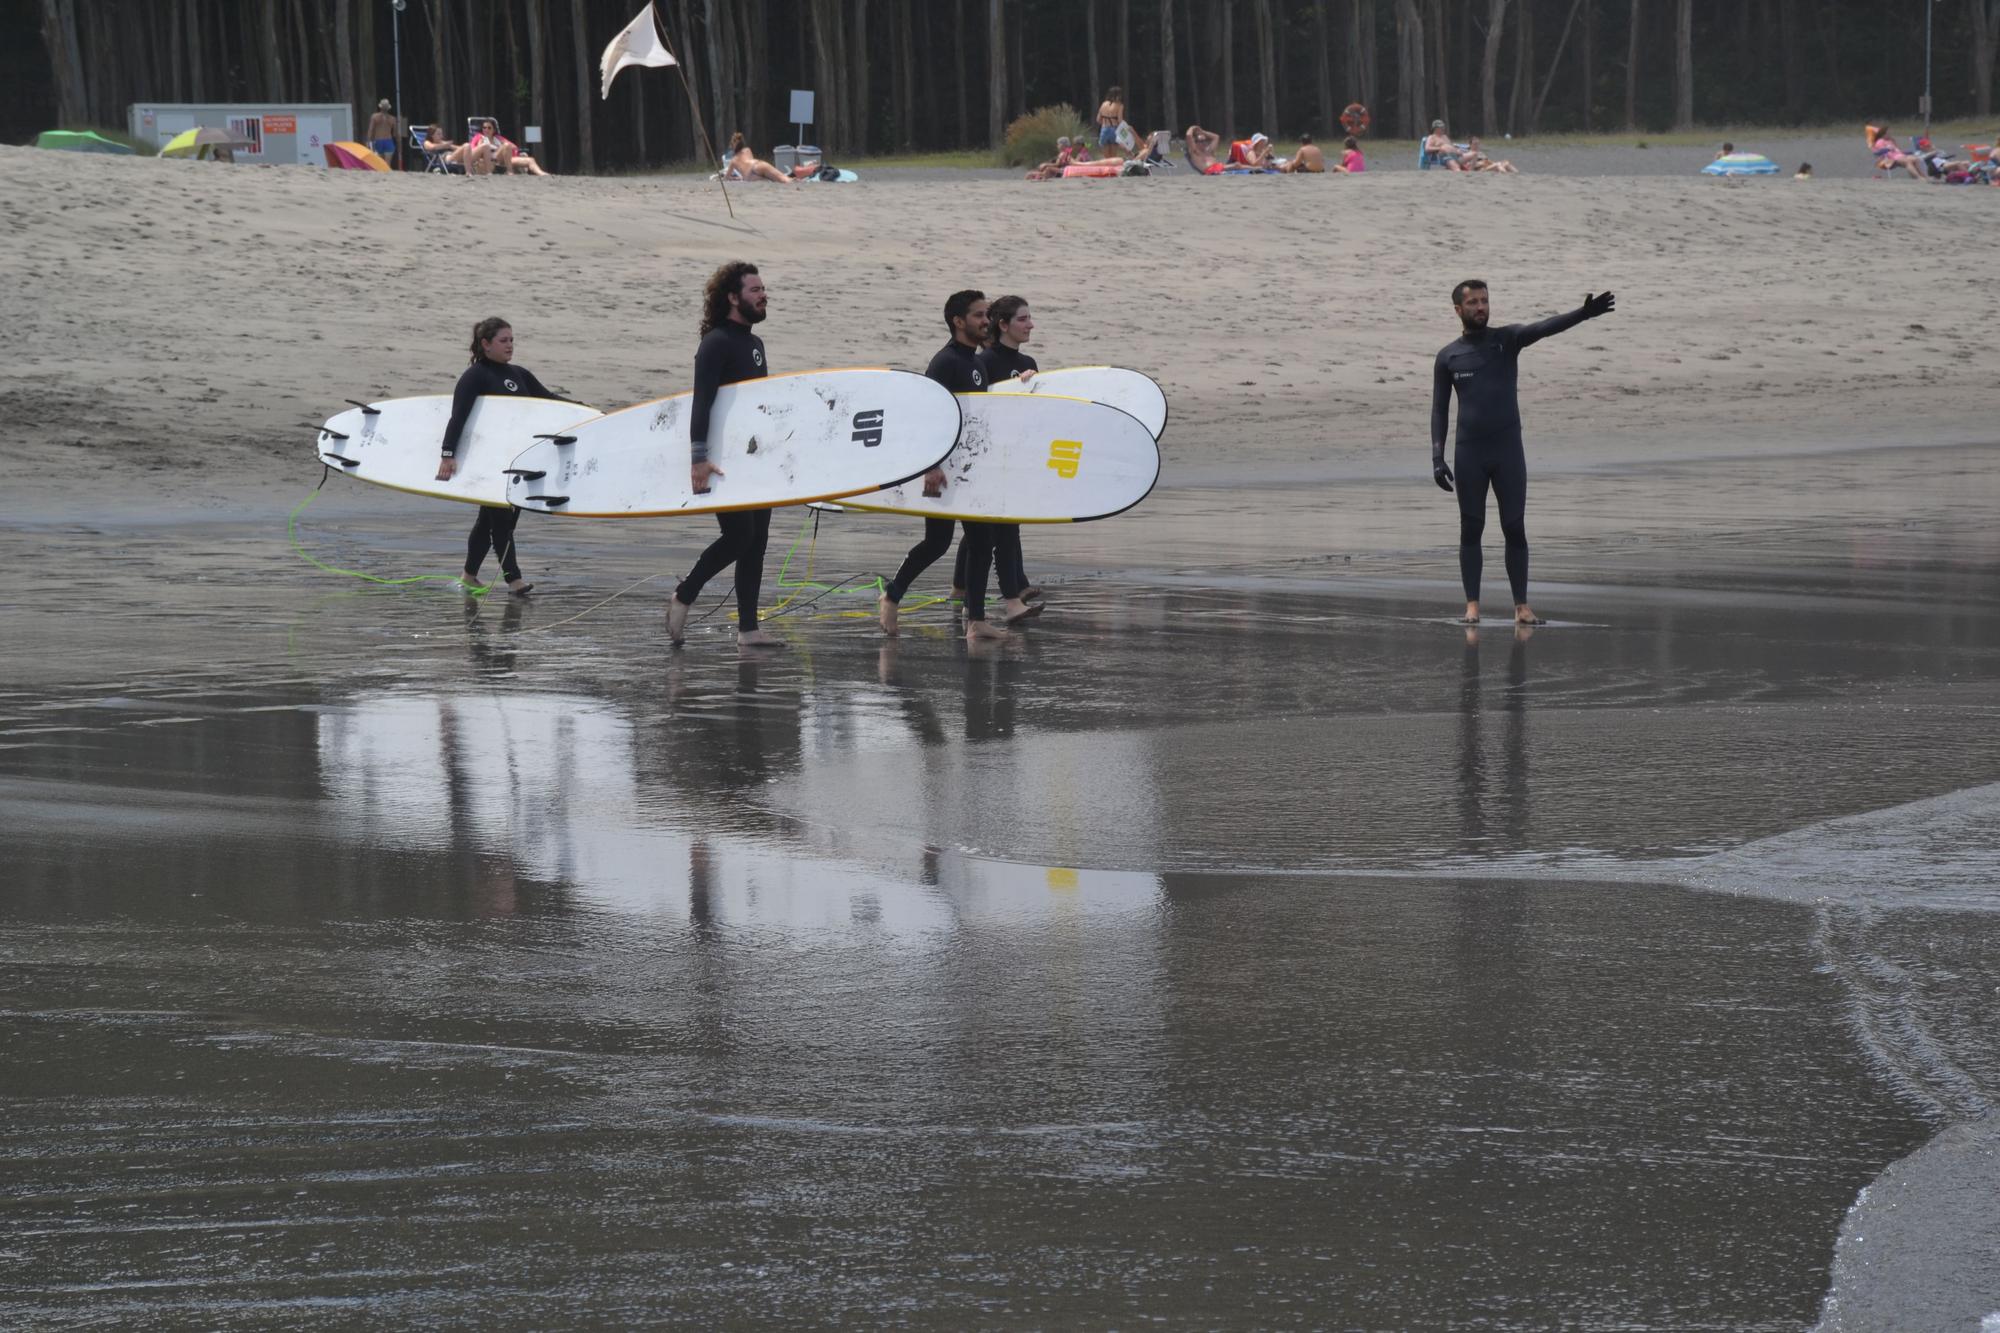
(730,353)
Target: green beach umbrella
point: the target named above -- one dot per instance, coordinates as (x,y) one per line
(80,141)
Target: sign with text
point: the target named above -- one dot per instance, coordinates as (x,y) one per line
(281,125)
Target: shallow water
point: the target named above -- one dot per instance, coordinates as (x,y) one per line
(1241,946)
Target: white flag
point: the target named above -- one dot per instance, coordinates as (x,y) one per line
(639,44)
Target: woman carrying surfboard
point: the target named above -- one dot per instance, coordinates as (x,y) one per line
(729,354)
(492,372)
(1008,326)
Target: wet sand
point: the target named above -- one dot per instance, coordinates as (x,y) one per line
(1243,945)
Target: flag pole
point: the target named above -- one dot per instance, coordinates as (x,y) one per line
(694,106)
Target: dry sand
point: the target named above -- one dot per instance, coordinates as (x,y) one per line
(178,328)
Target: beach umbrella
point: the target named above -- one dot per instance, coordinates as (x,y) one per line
(81,141)
(190,143)
(353,157)
(1741,164)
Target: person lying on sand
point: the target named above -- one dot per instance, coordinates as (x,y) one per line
(1307,159)
(1200,145)
(742,164)
(1474,159)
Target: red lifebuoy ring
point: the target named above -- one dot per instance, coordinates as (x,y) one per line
(1355,119)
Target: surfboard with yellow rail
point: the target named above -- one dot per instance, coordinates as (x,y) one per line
(1033,458)
(1114,386)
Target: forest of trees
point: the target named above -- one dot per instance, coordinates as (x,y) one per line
(902,75)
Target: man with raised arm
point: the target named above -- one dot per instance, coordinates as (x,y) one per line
(1482,365)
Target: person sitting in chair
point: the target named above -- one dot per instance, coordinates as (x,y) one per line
(1253,152)
(501,152)
(1440,149)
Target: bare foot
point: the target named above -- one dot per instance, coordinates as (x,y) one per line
(1525,615)
(1031,591)
(885,611)
(677,621)
(1472,613)
(519,587)
(1016,609)
(757,638)
(957,593)
(976,630)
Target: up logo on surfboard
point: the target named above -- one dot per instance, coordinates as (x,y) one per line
(868,427)
(1066,457)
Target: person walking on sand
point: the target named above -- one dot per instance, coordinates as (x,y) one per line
(492,372)
(733,303)
(382,131)
(956,366)
(1482,366)
(1110,115)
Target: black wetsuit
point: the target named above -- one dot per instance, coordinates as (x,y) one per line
(729,354)
(957,367)
(1001,362)
(1483,367)
(493,530)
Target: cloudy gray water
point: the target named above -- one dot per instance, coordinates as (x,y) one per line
(1244,946)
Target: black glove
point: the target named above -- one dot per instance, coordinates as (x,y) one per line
(1440,473)
(1603,303)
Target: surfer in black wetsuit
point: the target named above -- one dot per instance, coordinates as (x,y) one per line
(492,372)
(1009,325)
(729,354)
(1482,364)
(956,366)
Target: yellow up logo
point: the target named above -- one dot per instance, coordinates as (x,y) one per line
(1066,456)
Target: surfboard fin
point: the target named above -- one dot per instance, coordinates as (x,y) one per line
(365,409)
(344,462)
(558,439)
(550,500)
(525,474)
(331,434)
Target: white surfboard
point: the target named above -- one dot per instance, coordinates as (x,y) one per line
(395,443)
(1034,458)
(1127,390)
(788,439)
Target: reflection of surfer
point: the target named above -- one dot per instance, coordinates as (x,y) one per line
(956,366)
(492,372)
(1009,325)
(1483,365)
(729,354)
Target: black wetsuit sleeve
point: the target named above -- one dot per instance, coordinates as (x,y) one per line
(470,385)
(534,388)
(708,360)
(1440,407)
(1527,335)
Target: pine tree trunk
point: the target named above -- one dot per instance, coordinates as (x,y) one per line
(343,46)
(857,94)
(1524,66)
(267,52)
(197,62)
(1169,88)
(1435,25)
(753,44)
(1410,68)
(1555,63)
(586,91)
(1124,65)
(1090,49)
(1632,68)
(1228,48)
(538,76)
(996,73)
(1267,65)
(1589,62)
(1323,65)
(66,60)
(1684,66)
(1489,67)
(1985,35)
(956,40)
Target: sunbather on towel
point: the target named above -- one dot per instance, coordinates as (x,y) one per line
(746,165)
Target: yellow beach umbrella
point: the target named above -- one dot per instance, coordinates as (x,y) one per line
(189,143)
